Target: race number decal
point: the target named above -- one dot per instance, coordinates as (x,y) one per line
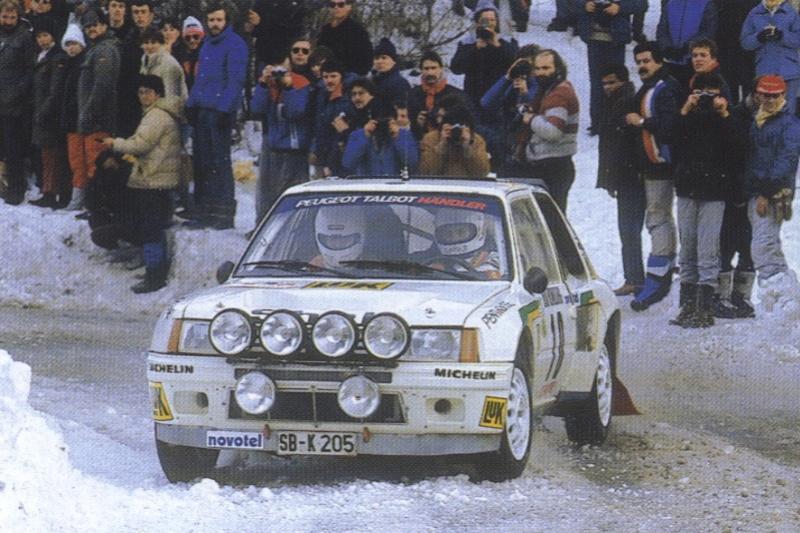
(494,412)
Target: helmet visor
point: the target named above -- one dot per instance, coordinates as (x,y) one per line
(456,233)
(339,242)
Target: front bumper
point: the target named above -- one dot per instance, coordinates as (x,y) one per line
(193,395)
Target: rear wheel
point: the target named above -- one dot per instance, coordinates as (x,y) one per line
(185,463)
(590,423)
(511,459)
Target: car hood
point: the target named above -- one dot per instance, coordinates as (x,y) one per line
(419,303)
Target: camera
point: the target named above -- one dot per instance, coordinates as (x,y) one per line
(382,129)
(456,133)
(705,101)
(524,108)
(483,32)
(600,5)
(278,73)
(521,70)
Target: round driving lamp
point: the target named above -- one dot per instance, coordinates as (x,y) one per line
(334,335)
(255,393)
(358,396)
(230,332)
(386,336)
(281,333)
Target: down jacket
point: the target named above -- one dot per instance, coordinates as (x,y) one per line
(166,67)
(97,87)
(156,146)
(221,73)
(17,57)
(774,151)
(363,157)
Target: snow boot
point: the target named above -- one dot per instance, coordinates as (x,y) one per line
(154,279)
(48,199)
(723,305)
(704,317)
(656,284)
(688,302)
(78,199)
(740,296)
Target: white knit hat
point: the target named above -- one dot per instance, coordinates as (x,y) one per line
(73,34)
(192,25)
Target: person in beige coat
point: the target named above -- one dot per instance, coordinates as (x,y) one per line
(454,149)
(157,61)
(155,149)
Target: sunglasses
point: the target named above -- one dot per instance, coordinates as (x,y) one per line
(194,37)
(298,50)
(337,4)
(770,95)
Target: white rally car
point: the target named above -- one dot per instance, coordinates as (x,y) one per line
(390,317)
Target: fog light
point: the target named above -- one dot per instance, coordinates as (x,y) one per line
(442,406)
(358,396)
(255,393)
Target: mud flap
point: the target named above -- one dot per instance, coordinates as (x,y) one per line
(621,403)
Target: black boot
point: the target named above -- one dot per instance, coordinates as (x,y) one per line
(154,279)
(723,306)
(48,199)
(688,302)
(222,216)
(740,296)
(705,313)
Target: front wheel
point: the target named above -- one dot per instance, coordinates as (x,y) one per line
(515,446)
(590,424)
(185,463)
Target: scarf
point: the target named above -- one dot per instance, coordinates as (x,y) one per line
(762,116)
(772,5)
(431,91)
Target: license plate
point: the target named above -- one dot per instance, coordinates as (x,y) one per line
(316,443)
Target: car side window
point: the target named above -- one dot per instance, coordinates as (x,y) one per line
(568,254)
(532,242)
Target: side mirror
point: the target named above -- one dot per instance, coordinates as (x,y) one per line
(535,281)
(224,271)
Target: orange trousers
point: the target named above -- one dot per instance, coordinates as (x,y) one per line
(55,177)
(83,150)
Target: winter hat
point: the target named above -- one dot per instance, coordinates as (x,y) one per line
(385,47)
(484,5)
(771,84)
(73,34)
(192,26)
(93,17)
(49,24)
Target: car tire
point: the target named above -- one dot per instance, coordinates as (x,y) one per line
(185,463)
(591,422)
(515,444)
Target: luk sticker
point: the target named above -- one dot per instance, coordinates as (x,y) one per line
(161,410)
(236,440)
(587,298)
(364,285)
(494,412)
(529,313)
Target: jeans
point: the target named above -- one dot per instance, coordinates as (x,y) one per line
(213,174)
(601,54)
(631,206)
(699,222)
(766,246)
(278,170)
(658,218)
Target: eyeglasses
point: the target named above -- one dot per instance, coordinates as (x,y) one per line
(337,4)
(193,37)
(298,50)
(769,95)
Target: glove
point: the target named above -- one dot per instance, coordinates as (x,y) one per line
(769,34)
(782,202)
(777,35)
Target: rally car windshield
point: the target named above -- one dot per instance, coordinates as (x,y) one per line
(384,235)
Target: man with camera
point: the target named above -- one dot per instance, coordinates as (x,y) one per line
(282,97)
(772,30)
(381,147)
(706,136)
(605,27)
(423,98)
(454,149)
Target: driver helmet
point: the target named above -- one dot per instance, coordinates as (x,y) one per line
(339,234)
(459,231)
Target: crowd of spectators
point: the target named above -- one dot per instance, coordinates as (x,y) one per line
(105,99)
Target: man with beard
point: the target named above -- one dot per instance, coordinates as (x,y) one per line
(17,61)
(213,102)
(392,86)
(616,173)
(654,114)
(769,185)
(553,122)
(347,37)
(423,98)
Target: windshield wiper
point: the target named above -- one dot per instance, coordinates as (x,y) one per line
(298,266)
(404,266)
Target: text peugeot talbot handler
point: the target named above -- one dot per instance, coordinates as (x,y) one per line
(391,317)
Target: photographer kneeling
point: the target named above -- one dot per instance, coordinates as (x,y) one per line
(454,149)
(381,147)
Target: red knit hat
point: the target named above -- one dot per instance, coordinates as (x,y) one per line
(771,84)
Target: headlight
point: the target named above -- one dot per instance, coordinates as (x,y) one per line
(386,336)
(230,332)
(334,335)
(194,337)
(281,333)
(358,396)
(255,393)
(435,345)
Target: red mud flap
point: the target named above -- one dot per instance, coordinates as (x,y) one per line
(621,403)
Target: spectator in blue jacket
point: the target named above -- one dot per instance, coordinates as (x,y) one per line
(769,185)
(392,86)
(683,21)
(381,147)
(332,106)
(772,29)
(213,102)
(282,97)
(606,29)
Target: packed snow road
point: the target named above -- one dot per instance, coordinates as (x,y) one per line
(717,448)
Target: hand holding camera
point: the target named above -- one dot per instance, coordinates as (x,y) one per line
(520,69)
(770,33)
(485,35)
